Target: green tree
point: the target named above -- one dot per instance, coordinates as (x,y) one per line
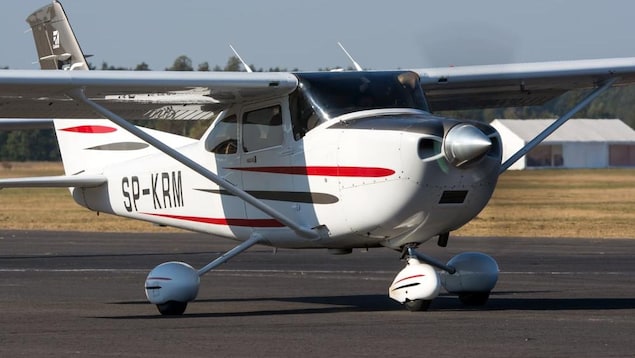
(233,64)
(182,63)
(203,66)
(21,145)
(106,67)
(142,67)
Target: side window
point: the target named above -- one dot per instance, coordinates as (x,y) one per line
(224,137)
(262,128)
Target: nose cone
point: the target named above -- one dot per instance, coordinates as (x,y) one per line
(465,143)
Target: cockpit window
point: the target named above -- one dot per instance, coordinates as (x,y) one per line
(224,137)
(332,94)
(303,116)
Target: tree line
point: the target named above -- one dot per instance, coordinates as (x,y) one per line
(41,145)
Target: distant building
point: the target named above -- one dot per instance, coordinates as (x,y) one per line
(579,143)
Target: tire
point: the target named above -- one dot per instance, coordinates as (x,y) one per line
(172,308)
(417,305)
(474,298)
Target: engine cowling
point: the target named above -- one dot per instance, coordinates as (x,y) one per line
(172,282)
(476,272)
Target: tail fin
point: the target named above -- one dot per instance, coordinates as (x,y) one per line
(56,45)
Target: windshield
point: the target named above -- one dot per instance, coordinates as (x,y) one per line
(332,94)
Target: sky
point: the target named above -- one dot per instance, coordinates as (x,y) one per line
(300,34)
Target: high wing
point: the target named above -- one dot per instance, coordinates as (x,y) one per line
(45,94)
(133,95)
(520,84)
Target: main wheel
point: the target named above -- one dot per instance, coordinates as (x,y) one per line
(172,308)
(417,305)
(474,298)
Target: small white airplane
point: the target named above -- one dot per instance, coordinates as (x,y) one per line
(332,160)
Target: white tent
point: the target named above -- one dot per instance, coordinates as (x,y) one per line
(579,143)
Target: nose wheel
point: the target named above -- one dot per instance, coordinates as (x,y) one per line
(172,308)
(417,305)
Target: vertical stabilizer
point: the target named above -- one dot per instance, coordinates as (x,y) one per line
(56,45)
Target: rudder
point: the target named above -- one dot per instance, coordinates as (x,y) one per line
(55,42)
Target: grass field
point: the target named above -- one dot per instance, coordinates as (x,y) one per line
(539,203)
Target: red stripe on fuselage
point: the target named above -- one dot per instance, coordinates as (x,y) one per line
(365,172)
(224,221)
(90,129)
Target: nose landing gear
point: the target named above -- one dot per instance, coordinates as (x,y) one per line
(470,275)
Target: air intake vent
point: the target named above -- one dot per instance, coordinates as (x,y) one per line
(428,148)
(453,197)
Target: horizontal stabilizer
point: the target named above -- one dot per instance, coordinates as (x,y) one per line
(61,181)
(11,124)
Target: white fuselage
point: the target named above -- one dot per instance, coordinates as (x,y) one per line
(375,178)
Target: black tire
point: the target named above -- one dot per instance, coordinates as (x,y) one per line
(474,298)
(417,305)
(172,308)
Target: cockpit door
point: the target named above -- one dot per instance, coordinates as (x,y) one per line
(266,151)
(224,146)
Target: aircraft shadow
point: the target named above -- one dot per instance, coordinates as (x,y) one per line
(334,304)
(382,303)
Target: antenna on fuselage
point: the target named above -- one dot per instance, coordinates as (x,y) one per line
(247,68)
(355,64)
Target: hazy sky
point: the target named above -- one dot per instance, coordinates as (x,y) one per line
(293,33)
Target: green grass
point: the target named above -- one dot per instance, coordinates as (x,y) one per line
(53,208)
(560,203)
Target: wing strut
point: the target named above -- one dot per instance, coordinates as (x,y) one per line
(555,125)
(314,233)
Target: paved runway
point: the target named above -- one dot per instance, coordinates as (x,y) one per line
(81,294)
